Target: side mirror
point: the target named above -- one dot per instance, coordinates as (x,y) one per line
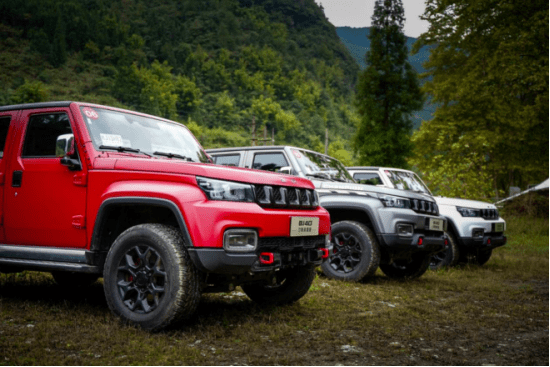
(66,150)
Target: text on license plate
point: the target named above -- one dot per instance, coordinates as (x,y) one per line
(436,225)
(304,226)
(499,227)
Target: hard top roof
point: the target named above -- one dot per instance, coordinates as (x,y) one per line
(27,106)
(262,147)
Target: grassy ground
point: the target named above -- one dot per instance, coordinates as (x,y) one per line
(496,314)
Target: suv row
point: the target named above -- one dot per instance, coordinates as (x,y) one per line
(89,191)
(372,227)
(475,227)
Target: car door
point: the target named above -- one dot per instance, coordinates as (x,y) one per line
(7,122)
(45,200)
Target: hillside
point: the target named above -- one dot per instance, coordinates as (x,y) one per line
(212,64)
(357,42)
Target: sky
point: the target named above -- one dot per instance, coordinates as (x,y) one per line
(358,13)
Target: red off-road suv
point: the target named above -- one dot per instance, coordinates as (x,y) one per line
(89,191)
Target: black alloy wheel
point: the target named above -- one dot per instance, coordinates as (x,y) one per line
(141,278)
(346,254)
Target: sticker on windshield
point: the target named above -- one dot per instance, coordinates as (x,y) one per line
(90,113)
(111,140)
(387,173)
(296,153)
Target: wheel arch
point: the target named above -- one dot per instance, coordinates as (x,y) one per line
(118,214)
(356,212)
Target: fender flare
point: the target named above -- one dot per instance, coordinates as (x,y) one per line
(94,245)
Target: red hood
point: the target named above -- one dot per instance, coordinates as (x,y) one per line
(201,169)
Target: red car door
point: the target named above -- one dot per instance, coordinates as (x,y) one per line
(45,202)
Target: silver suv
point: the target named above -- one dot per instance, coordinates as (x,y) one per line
(372,227)
(475,227)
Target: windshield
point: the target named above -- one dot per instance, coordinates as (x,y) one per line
(133,133)
(321,166)
(408,181)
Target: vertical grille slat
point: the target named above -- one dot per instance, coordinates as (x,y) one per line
(281,196)
(423,206)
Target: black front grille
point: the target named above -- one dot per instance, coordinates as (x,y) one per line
(283,244)
(424,206)
(285,197)
(489,213)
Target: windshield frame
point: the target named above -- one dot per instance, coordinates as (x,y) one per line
(301,155)
(410,174)
(190,144)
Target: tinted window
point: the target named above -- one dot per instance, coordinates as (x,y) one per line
(269,161)
(227,160)
(42,134)
(4,126)
(368,178)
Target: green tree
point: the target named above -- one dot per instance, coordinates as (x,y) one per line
(388,91)
(488,71)
(58,55)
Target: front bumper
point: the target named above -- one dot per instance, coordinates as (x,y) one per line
(272,253)
(403,246)
(489,241)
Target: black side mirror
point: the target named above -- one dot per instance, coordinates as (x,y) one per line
(66,149)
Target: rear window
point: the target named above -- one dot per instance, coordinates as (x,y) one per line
(369,178)
(227,160)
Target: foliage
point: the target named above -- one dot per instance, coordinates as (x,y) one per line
(387,92)
(218,63)
(30,92)
(489,71)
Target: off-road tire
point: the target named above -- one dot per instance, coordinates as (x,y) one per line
(356,253)
(448,257)
(149,279)
(407,269)
(69,279)
(482,256)
(291,285)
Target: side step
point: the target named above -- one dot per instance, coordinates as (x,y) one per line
(45,259)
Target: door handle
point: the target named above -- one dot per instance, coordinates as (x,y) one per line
(17,178)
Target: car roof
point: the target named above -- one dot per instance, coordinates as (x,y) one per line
(26,106)
(262,147)
(377,168)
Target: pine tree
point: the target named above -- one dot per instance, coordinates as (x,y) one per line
(58,55)
(387,92)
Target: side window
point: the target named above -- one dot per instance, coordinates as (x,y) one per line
(227,160)
(42,134)
(269,161)
(4,127)
(368,178)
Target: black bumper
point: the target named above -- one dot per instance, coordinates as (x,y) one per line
(221,262)
(487,242)
(431,243)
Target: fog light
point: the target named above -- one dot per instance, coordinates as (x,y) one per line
(477,233)
(240,240)
(405,229)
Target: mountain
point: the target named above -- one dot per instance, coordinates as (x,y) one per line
(216,65)
(357,42)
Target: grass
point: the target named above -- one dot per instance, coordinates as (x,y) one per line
(495,314)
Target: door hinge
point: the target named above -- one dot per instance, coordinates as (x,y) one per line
(79,221)
(80,179)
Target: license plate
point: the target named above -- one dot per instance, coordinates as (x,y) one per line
(436,224)
(498,227)
(304,226)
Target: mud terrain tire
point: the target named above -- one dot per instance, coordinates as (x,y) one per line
(291,285)
(448,257)
(407,269)
(149,279)
(356,252)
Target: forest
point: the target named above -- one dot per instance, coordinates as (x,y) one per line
(213,65)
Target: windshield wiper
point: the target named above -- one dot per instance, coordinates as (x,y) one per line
(320,175)
(173,155)
(123,149)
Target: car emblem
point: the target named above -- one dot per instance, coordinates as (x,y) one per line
(283,180)
(293,181)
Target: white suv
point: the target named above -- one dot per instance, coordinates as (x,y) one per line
(474,227)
